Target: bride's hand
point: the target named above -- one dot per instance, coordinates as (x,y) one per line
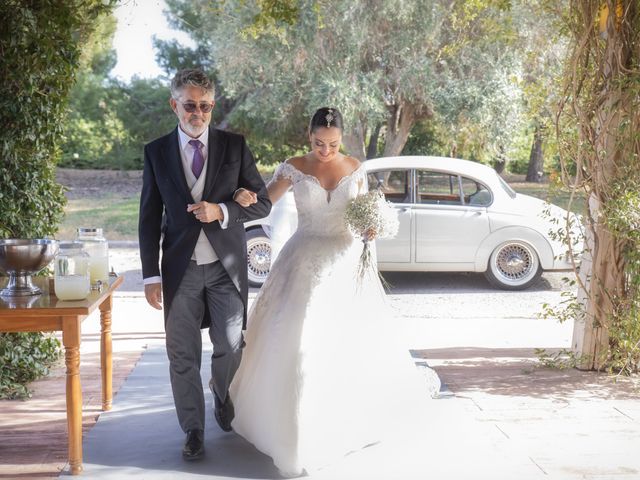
(245,198)
(369,235)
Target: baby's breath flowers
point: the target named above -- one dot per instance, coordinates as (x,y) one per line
(370,216)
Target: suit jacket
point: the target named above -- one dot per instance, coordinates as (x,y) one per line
(164,217)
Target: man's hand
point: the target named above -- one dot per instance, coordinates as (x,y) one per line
(206,212)
(153,293)
(245,198)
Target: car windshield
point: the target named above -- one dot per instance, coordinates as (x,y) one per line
(506,187)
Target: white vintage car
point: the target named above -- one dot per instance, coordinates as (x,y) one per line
(455,216)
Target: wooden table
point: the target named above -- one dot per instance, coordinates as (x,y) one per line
(46,313)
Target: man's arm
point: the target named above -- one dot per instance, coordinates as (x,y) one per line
(149,231)
(250,179)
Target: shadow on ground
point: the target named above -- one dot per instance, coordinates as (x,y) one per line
(462,282)
(517,372)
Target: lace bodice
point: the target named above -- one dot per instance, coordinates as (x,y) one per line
(321,211)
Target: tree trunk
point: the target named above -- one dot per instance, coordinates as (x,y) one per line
(536,157)
(354,142)
(500,161)
(354,145)
(372,148)
(453,151)
(399,125)
(603,275)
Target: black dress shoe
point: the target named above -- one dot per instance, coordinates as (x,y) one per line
(194,445)
(223,412)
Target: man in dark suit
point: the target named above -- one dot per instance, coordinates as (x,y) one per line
(189,181)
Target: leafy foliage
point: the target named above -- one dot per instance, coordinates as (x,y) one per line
(40,52)
(24,357)
(561,359)
(542,49)
(386,65)
(622,217)
(109,121)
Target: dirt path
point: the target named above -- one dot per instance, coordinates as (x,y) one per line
(127,183)
(100,183)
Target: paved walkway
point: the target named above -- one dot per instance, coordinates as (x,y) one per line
(500,416)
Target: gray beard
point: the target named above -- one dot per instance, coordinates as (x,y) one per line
(193,131)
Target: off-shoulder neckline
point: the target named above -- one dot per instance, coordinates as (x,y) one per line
(344,177)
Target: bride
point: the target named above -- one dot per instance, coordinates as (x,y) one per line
(320,376)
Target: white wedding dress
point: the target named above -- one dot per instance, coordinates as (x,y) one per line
(321,375)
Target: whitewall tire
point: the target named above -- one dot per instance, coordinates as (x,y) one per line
(513,265)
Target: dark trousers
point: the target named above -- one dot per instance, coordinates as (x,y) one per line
(202,283)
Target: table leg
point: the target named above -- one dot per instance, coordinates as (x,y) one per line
(71,342)
(106,355)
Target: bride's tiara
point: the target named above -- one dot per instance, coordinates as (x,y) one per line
(329,117)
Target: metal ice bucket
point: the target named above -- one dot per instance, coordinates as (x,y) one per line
(21,258)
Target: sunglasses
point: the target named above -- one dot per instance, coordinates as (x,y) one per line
(191,107)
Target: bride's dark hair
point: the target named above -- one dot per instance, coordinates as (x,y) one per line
(326,117)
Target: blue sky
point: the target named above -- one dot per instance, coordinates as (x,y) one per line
(138,22)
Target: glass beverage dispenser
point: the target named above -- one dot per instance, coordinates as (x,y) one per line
(71,279)
(98,249)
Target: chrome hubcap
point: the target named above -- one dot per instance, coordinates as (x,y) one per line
(514,262)
(259,259)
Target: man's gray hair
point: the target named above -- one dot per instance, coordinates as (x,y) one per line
(191,77)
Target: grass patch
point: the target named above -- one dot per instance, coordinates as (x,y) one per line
(118,217)
(559,197)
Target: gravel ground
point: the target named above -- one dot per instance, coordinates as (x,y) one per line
(438,310)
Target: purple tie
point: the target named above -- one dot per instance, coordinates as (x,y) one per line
(198,159)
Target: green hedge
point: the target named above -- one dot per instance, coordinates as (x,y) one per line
(40,46)
(25,357)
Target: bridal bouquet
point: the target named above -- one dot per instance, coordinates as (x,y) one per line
(371,216)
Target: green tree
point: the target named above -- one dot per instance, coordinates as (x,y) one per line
(41,49)
(542,50)
(109,120)
(144,110)
(95,136)
(172,56)
(387,65)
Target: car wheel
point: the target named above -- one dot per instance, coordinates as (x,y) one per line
(258,256)
(513,265)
